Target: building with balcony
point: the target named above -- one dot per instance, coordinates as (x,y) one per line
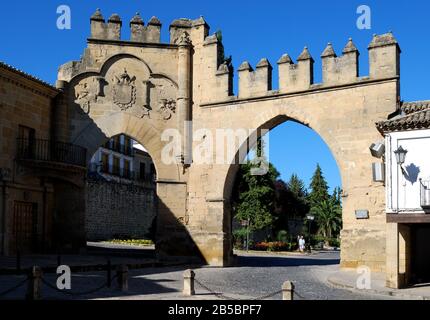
(407,180)
(120,196)
(41,176)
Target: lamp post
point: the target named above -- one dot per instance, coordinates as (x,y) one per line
(400,154)
(310,218)
(245,223)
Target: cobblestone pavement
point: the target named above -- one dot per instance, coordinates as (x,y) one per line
(256,275)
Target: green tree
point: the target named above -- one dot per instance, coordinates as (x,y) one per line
(254,197)
(337,196)
(298,203)
(319,188)
(328,216)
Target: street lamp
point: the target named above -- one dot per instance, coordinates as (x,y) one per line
(400,154)
(310,218)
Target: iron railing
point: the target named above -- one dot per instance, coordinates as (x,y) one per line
(120,148)
(118,172)
(425,194)
(51,151)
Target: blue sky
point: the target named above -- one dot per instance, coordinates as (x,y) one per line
(251,30)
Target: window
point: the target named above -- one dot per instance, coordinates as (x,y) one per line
(127,146)
(116,143)
(142,171)
(26,144)
(115,167)
(105,162)
(126,169)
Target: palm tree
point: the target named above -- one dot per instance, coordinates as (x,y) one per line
(328,216)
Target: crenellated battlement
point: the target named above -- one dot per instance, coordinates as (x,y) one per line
(214,73)
(111,30)
(384,63)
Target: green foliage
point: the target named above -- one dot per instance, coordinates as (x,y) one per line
(319,188)
(255,195)
(138,242)
(282,236)
(328,216)
(337,196)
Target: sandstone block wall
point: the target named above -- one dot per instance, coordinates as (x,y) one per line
(116,210)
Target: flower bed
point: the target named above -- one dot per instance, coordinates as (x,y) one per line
(272,246)
(139,242)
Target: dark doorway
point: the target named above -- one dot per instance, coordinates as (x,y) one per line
(420,237)
(24,227)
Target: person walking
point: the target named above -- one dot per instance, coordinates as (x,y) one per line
(302,244)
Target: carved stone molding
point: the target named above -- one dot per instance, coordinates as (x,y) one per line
(166,108)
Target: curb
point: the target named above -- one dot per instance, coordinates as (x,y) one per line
(388,293)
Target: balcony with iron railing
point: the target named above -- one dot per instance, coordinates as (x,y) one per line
(51,151)
(120,148)
(118,172)
(425,194)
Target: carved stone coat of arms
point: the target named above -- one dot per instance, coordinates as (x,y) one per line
(124,91)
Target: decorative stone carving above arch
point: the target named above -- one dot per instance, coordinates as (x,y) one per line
(125,83)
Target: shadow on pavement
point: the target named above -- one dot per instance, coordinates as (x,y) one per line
(270,261)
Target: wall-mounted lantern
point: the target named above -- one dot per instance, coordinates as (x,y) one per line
(400,155)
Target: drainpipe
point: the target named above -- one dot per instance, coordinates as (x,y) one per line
(184,99)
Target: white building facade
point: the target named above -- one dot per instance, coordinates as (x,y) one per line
(407,180)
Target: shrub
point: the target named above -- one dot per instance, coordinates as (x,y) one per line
(333,242)
(282,236)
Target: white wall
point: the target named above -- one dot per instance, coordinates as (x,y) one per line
(406,187)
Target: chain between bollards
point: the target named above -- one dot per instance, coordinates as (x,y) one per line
(287,289)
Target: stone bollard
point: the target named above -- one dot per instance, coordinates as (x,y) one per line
(122,275)
(288,290)
(189,283)
(34,289)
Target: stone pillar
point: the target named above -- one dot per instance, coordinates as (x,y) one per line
(404,255)
(34,289)
(122,276)
(184,90)
(288,290)
(189,276)
(392,256)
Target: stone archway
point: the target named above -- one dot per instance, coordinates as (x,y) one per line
(143,87)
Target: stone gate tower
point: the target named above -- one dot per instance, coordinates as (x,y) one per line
(144,88)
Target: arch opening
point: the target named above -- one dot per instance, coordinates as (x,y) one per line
(121,197)
(291,182)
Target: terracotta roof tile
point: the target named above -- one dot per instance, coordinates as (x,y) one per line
(413,116)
